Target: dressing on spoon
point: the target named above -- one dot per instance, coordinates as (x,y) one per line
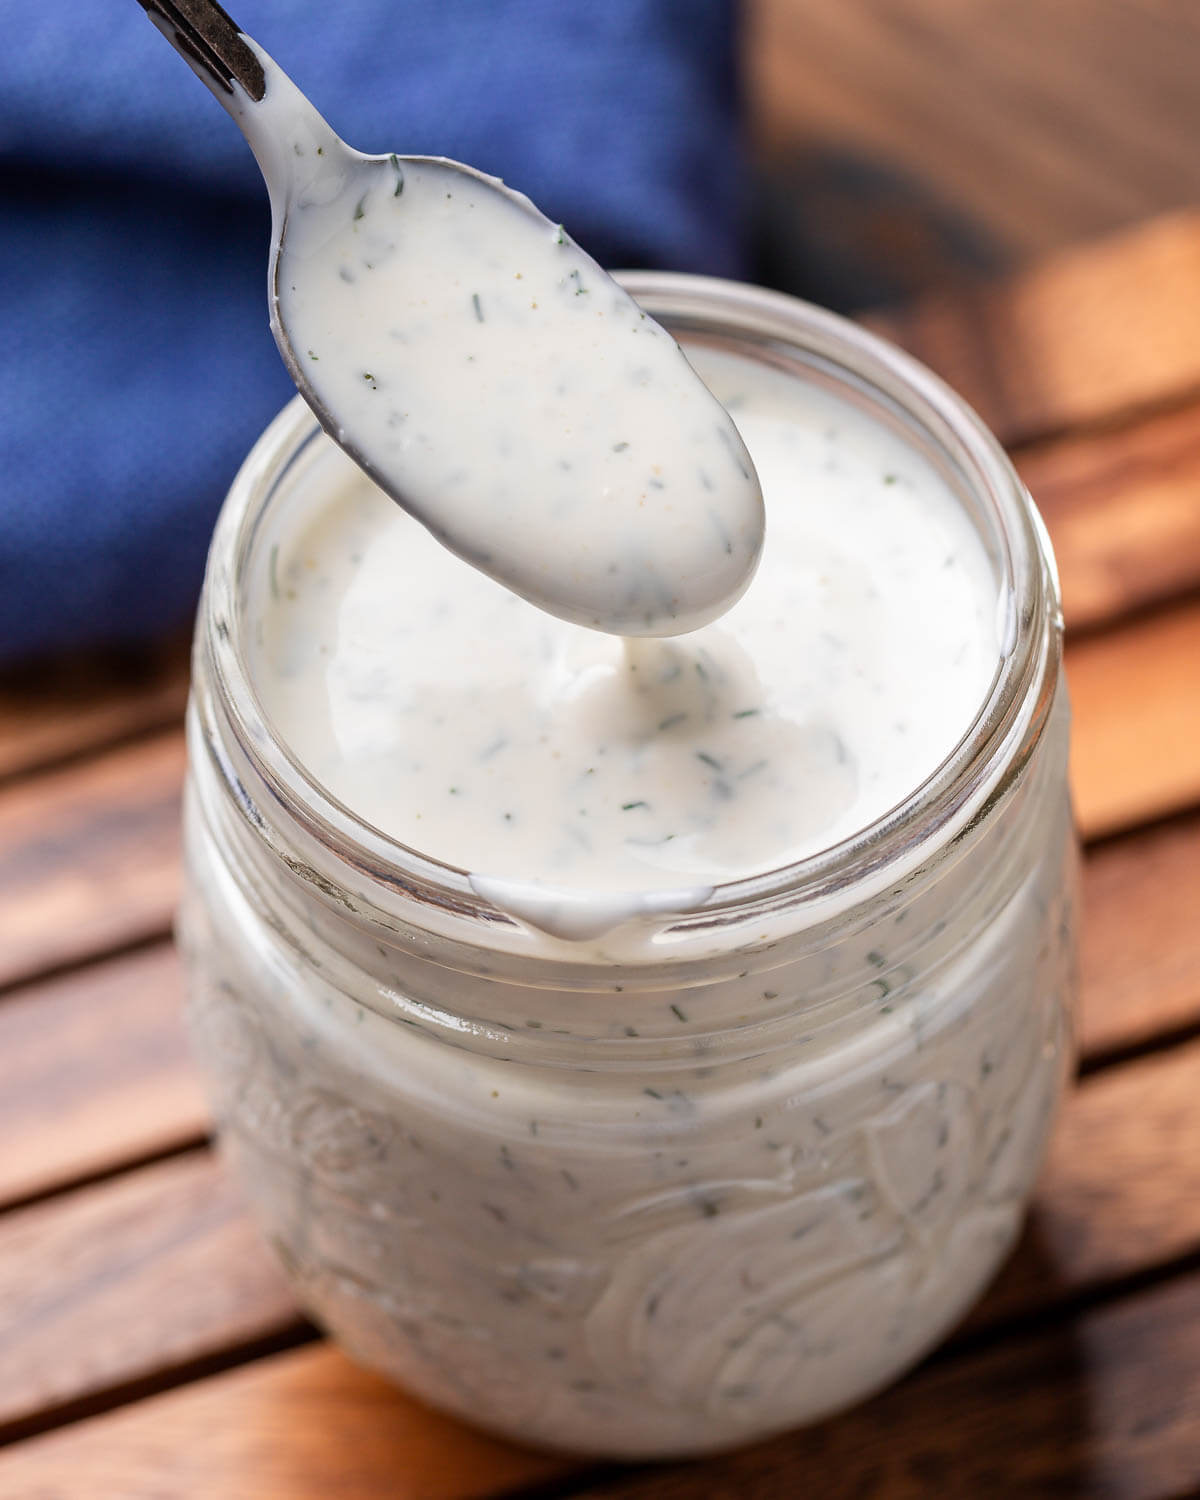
(485,371)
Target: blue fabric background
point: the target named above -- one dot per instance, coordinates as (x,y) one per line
(136,367)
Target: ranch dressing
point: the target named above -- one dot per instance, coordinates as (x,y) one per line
(496,382)
(711,1173)
(467,724)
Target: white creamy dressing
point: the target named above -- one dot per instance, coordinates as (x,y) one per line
(467,724)
(637,1209)
(492,378)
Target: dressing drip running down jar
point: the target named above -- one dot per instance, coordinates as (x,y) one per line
(728,1138)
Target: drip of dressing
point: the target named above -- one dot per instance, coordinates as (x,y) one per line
(584,780)
(492,379)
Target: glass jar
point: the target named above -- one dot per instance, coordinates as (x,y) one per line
(713,1173)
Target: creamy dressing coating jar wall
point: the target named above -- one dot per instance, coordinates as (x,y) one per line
(714,1173)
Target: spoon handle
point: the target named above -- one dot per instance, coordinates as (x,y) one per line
(211,42)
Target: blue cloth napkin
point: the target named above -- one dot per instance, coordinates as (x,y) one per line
(136,367)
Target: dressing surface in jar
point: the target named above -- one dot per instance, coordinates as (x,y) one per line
(638,1049)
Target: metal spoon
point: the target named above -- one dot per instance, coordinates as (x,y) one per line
(483,370)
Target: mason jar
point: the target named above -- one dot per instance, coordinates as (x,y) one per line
(726,1170)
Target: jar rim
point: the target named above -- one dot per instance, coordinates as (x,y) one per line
(1027,671)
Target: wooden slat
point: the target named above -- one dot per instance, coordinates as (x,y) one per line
(1136,740)
(1107,1406)
(991,109)
(117,1281)
(1118,1192)
(89,856)
(50,712)
(94,1073)
(1140,955)
(301,1426)
(1123,511)
(1081,338)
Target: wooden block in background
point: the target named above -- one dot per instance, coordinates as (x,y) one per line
(1123,512)
(1089,335)
(306,1425)
(1140,954)
(126,1279)
(1135,696)
(1117,1195)
(52,711)
(89,856)
(95,1073)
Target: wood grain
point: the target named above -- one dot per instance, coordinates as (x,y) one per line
(1140,955)
(1117,1195)
(95,1073)
(1085,337)
(52,711)
(110,1284)
(1123,512)
(1136,737)
(89,856)
(1040,124)
(302,1426)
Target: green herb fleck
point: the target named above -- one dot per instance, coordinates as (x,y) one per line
(560,235)
(709,760)
(273,571)
(360,208)
(889,479)
(399,170)
(370,379)
(747,713)
(654,1094)
(311,355)
(679,1015)
(478,306)
(629,806)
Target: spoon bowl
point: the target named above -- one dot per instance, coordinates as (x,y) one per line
(485,372)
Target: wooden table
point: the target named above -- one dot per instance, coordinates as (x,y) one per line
(148,1347)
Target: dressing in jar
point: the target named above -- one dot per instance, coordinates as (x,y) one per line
(641,1047)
